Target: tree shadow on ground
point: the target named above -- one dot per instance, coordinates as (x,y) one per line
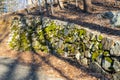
(73,8)
(32,75)
(92,26)
(4,31)
(106,6)
(14,70)
(1,39)
(11,65)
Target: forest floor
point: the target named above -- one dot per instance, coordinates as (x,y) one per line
(89,20)
(57,66)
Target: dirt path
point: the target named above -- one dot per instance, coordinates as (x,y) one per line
(49,68)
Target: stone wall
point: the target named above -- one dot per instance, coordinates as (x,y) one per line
(98,52)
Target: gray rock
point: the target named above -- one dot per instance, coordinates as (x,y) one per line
(99,37)
(107,43)
(89,45)
(87,35)
(70,25)
(116,65)
(107,15)
(88,54)
(85,41)
(106,65)
(114,18)
(116,76)
(66,31)
(77,56)
(61,23)
(84,61)
(99,59)
(46,21)
(92,36)
(66,54)
(95,46)
(60,43)
(116,49)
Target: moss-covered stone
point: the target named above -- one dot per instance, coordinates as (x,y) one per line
(106,53)
(100,46)
(81,32)
(107,64)
(108,59)
(100,37)
(95,55)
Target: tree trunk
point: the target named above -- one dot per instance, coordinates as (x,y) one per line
(76,3)
(54,1)
(51,6)
(46,5)
(87,6)
(40,7)
(60,3)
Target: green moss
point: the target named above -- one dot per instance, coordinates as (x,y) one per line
(71,48)
(52,29)
(108,59)
(106,53)
(14,41)
(68,40)
(24,42)
(100,51)
(44,49)
(36,45)
(100,46)
(60,51)
(81,32)
(100,37)
(94,39)
(95,55)
(82,47)
(40,35)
